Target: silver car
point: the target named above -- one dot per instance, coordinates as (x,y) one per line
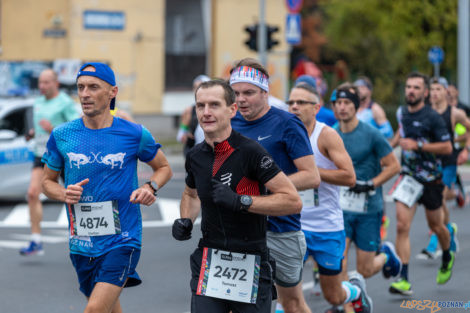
(16,156)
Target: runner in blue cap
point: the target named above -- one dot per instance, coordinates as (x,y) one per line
(99,154)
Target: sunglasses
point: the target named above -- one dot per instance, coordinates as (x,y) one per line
(299,102)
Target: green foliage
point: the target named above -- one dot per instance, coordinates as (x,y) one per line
(386,39)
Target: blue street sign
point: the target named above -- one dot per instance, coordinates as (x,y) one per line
(112,20)
(294,6)
(293,30)
(436,55)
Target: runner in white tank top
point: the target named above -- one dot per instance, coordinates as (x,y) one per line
(326,215)
(321,217)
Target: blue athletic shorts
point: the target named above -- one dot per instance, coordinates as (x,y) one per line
(449,175)
(327,249)
(363,229)
(113,267)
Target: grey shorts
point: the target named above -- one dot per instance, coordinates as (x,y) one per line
(288,249)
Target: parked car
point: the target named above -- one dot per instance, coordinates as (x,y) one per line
(16,155)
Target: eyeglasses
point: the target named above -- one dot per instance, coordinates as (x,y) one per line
(299,102)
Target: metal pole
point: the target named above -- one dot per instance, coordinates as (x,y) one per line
(262,33)
(463,60)
(436,70)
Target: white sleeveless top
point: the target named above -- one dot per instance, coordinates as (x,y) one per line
(327,216)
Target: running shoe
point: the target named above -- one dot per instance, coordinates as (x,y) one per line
(364,303)
(384,227)
(316,283)
(427,255)
(445,272)
(454,242)
(33,249)
(393,265)
(401,287)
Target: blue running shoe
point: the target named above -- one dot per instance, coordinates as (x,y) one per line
(33,249)
(364,303)
(393,265)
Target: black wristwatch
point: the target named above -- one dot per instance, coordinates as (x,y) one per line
(154,186)
(246,202)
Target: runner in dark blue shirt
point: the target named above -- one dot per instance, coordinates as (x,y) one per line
(283,135)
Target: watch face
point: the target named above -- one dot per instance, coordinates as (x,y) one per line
(246,200)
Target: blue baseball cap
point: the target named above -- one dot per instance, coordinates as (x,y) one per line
(103,72)
(306,79)
(333,96)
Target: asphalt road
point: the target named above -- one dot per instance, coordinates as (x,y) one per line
(49,284)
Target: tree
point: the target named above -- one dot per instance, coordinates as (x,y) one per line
(386,39)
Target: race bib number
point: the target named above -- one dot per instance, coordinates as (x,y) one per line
(309,197)
(408,190)
(96,219)
(228,275)
(352,201)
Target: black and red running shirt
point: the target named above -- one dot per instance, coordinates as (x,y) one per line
(245,166)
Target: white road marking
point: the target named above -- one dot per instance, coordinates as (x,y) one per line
(169,209)
(62,220)
(44,238)
(19,216)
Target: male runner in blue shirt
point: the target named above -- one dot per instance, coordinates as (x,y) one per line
(283,135)
(99,154)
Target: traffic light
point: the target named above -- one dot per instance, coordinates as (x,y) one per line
(252,41)
(270,42)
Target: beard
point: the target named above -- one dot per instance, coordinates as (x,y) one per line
(413,102)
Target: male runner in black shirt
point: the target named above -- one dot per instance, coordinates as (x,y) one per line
(422,134)
(229,174)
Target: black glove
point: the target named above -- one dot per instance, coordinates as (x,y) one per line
(182,228)
(225,197)
(363,186)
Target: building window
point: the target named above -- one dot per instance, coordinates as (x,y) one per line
(185,43)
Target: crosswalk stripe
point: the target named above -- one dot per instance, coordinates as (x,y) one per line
(62,220)
(169,209)
(14,244)
(44,238)
(19,216)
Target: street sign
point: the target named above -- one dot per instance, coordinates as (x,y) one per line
(436,55)
(293,30)
(294,6)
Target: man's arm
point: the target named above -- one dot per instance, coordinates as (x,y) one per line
(190,204)
(307,175)
(54,190)
(283,200)
(396,139)
(390,167)
(378,114)
(161,175)
(330,142)
(442,147)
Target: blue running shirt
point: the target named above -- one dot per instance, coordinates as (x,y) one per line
(367,146)
(108,157)
(284,136)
